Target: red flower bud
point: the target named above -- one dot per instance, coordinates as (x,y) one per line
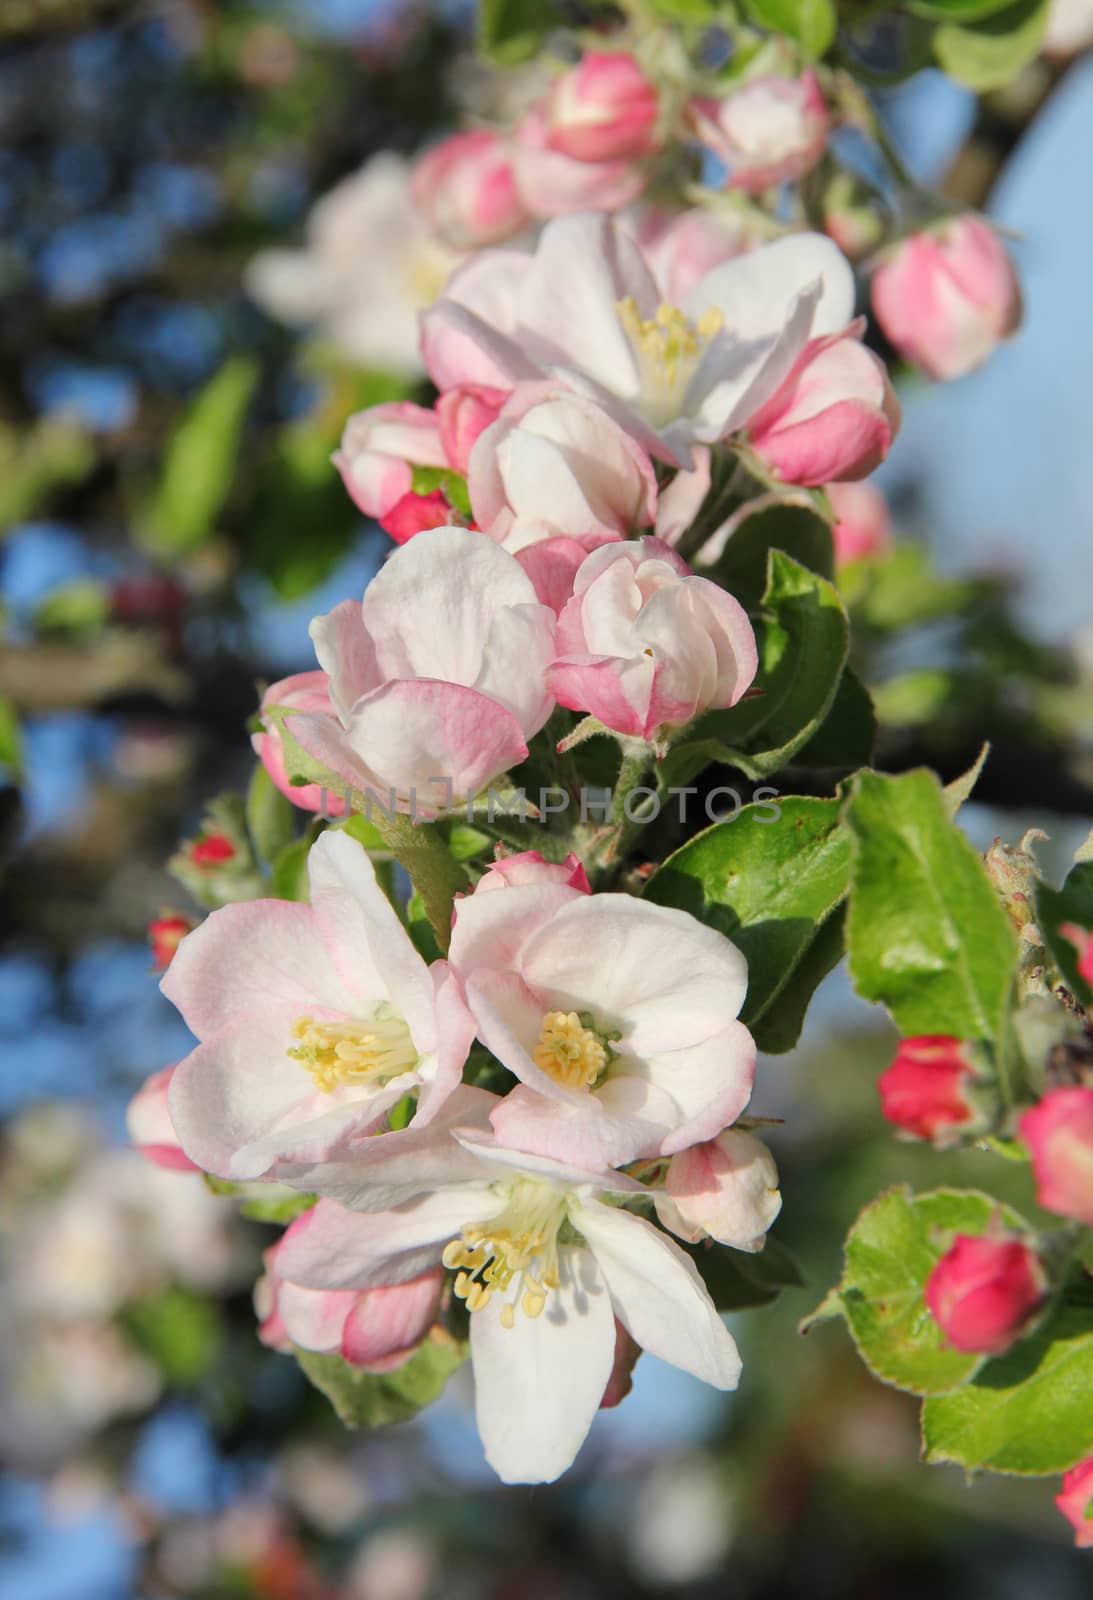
(1076,1502)
(211,850)
(924,1091)
(984,1291)
(416,512)
(164,935)
(1059,1136)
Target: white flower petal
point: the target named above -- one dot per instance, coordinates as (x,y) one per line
(539,1383)
(330,1247)
(658,1295)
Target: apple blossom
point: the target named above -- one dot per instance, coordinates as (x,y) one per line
(925,1090)
(305,692)
(369,266)
(604,109)
(551,184)
(864,525)
(645,646)
(1069,29)
(375,1329)
(529,867)
(985,1290)
(833,417)
(1076,1502)
(438,676)
(587,310)
(380,448)
(946,297)
(618,1017)
(462,415)
(149,1126)
(765,132)
(725,1189)
(544,1265)
(164,934)
(313,1020)
(554,464)
(1059,1135)
(681,247)
(466,187)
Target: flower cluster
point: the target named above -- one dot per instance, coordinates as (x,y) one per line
(333,1058)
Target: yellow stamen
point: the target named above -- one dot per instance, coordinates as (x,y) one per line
(670,342)
(521,1244)
(353,1053)
(568,1051)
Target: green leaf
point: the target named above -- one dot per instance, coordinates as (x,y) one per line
(11,741)
(959,791)
(739,1279)
(812,23)
(454,484)
(79,610)
(955,10)
(511,31)
(803,636)
(178,1329)
(987,53)
(278,1206)
(370,1399)
(199,461)
(779,1028)
(926,933)
(890,1252)
(288,879)
(743,564)
(769,884)
(846,736)
(1028,1412)
(904,590)
(1071,908)
(271,819)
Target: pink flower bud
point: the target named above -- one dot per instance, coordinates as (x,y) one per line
(605,109)
(833,417)
(1076,1502)
(416,512)
(681,247)
(771,130)
(530,867)
(864,527)
(385,1326)
(465,188)
(307,692)
(946,297)
(463,414)
(552,184)
(645,645)
(725,1189)
(925,1090)
(380,448)
(211,850)
(984,1292)
(149,1125)
(621,1380)
(1059,1136)
(164,936)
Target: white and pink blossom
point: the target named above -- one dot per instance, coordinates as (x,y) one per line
(552,184)
(587,310)
(724,1189)
(645,646)
(380,448)
(438,676)
(770,130)
(946,297)
(544,1261)
(465,187)
(618,1017)
(307,692)
(864,525)
(603,109)
(149,1126)
(313,1020)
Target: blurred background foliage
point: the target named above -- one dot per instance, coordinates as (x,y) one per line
(169,523)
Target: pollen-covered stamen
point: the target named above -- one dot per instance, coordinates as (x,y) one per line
(521,1243)
(669,347)
(569,1049)
(353,1053)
